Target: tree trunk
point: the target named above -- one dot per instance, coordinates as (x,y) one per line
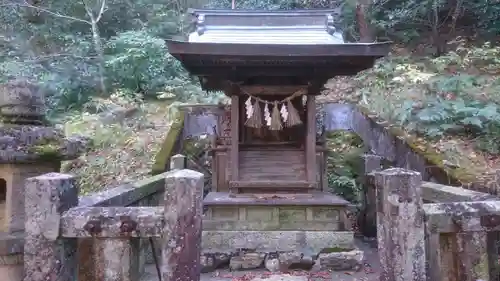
(365,32)
(96,38)
(439,41)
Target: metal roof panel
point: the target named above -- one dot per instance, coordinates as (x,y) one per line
(266,27)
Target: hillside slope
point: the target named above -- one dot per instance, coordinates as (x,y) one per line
(450,103)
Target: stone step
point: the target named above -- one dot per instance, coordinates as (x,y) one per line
(296,199)
(319,211)
(272,241)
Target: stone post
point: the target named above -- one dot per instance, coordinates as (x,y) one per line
(46,256)
(368,215)
(118,259)
(462,256)
(181,247)
(400,225)
(460,249)
(178,162)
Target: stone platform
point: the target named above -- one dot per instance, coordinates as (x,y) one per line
(277,231)
(275,241)
(320,211)
(317,198)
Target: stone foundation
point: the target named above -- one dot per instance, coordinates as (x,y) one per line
(272,241)
(280,251)
(318,211)
(278,232)
(283,262)
(269,218)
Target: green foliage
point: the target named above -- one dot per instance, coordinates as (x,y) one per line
(454,94)
(407,20)
(344,152)
(440,117)
(137,60)
(62,51)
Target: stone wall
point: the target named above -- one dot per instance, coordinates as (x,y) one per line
(381,140)
(398,148)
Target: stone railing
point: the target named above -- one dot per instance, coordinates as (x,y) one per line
(431,193)
(148,192)
(55,222)
(433,241)
(403,150)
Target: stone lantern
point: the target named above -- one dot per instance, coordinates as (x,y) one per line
(29,146)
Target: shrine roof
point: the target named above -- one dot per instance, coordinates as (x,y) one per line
(299,27)
(236,45)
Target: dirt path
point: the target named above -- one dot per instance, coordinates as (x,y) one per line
(369,273)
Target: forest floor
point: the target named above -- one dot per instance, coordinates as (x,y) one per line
(125,142)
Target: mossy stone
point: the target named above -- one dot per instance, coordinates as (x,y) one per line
(334,250)
(431,155)
(163,156)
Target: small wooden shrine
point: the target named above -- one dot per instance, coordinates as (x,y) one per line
(269,166)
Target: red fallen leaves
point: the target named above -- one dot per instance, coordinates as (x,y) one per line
(266,275)
(320,275)
(246,277)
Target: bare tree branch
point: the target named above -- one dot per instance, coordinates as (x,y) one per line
(48,57)
(27,5)
(96,38)
(101,11)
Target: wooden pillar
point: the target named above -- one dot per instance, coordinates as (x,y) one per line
(400,225)
(311,139)
(492,239)
(234,153)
